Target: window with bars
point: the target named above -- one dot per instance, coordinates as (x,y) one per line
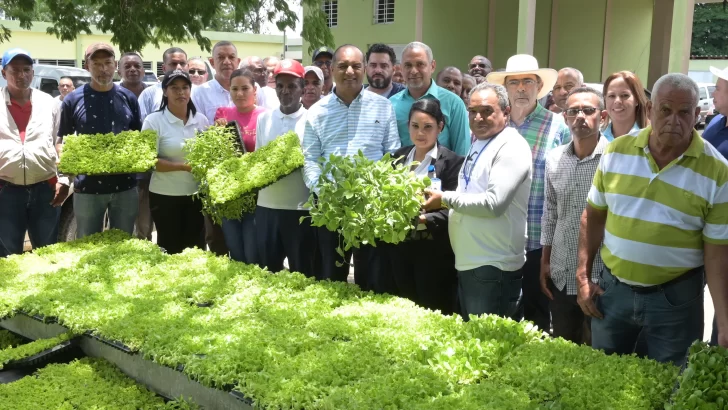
(383,11)
(331,8)
(160,68)
(62,63)
(147,65)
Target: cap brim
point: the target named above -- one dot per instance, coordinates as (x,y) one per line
(723,74)
(548,77)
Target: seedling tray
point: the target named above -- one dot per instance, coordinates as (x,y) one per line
(40,359)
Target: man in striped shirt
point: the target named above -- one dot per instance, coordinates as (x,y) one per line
(659,201)
(342,123)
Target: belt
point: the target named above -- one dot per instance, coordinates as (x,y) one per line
(52,182)
(657,288)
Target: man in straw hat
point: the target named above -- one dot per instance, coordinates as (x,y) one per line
(544,131)
(716,132)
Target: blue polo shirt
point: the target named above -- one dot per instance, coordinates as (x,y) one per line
(716,134)
(87,111)
(456,134)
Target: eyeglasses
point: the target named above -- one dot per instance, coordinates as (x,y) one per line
(573,112)
(527,82)
(320,64)
(194,71)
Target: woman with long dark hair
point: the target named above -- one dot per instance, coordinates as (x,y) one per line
(175,212)
(423,267)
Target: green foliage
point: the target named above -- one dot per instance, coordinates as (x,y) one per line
(710,30)
(204,152)
(367,201)
(291,342)
(704,383)
(238,176)
(82,384)
(124,153)
(11,354)
(315,27)
(134,25)
(562,375)
(9,339)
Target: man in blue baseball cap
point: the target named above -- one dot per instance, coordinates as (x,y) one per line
(322,58)
(31,192)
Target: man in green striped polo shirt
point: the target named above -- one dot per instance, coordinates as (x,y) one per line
(659,201)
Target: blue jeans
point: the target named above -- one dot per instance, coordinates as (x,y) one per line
(90,209)
(489,290)
(670,318)
(27,208)
(240,238)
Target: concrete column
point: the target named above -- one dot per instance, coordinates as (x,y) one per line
(682,36)
(419,17)
(662,16)
(526,26)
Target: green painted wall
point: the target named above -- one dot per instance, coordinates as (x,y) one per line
(355,25)
(542,34)
(455,36)
(506,32)
(630,26)
(579,37)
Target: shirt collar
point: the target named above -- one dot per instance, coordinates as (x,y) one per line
(295,115)
(8,101)
(598,150)
(432,91)
(191,119)
(530,117)
(357,98)
(695,149)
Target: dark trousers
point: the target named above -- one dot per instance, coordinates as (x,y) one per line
(669,318)
(179,222)
(568,319)
(215,238)
(488,290)
(370,266)
(280,235)
(144,225)
(424,272)
(27,208)
(534,304)
(328,257)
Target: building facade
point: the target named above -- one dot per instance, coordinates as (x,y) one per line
(648,37)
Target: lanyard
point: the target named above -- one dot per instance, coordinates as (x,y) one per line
(472,166)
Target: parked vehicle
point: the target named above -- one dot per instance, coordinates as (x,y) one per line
(46,77)
(706,91)
(150,78)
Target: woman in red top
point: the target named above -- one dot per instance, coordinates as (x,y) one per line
(240,234)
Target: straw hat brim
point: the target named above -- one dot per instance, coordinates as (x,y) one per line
(547,75)
(719,73)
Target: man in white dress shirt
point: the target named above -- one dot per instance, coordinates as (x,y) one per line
(150,99)
(280,206)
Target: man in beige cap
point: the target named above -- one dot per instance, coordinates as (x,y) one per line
(526,83)
(100,108)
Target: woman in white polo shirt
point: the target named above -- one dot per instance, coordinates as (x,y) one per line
(176,213)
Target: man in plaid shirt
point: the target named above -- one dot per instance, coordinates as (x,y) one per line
(544,131)
(570,170)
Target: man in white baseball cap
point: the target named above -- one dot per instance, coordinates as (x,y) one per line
(313,83)
(526,83)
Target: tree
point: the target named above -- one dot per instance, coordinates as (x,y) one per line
(135,23)
(710,30)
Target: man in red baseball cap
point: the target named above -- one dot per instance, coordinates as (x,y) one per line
(280,206)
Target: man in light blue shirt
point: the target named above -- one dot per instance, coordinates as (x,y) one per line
(418,66)
(342,123)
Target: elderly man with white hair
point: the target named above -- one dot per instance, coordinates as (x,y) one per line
(543,130)
(659,202)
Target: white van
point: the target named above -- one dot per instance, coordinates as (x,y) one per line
(46,77)
(706,91)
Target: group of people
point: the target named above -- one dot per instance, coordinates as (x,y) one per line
(600,218)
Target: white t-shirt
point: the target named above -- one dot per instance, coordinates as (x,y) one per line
(172,134)
(487,224)
(267,98)
(290,192)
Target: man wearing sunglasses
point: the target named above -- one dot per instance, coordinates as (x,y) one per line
(570,170)
(322,59)
(197,70)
